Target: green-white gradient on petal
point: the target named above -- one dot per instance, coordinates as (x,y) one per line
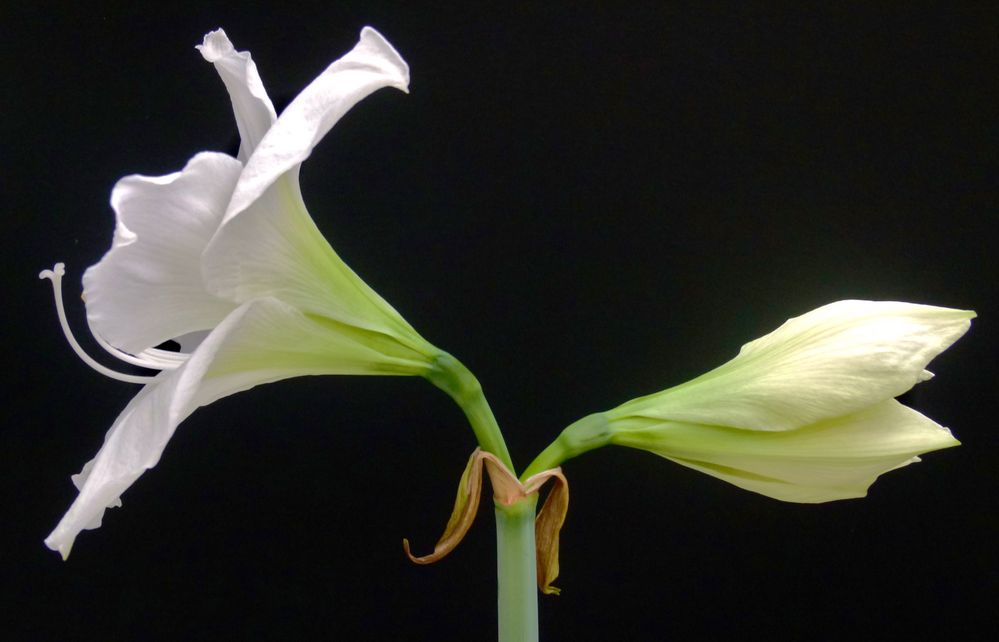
(170,237)
(262,341)
(805,413)
(836,458)
(835,360)
(227,249)
(268,244)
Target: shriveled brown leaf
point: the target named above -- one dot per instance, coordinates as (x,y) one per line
(547,525)
(466,505)
(507,490)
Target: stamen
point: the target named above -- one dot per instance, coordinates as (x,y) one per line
(153,358)
(55,275)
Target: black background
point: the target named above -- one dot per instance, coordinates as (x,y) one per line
(584,204)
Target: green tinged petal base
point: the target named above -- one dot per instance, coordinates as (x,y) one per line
(832,459)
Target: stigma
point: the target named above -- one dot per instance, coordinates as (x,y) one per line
(152,358)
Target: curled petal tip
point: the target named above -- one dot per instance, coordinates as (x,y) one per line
(62,548)
(215,45)
(373,40)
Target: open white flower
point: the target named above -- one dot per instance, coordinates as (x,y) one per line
(807,412)
(224,253)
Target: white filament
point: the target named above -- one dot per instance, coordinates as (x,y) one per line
(153,358)
(55,275)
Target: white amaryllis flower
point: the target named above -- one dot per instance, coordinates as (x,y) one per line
(225,252)
(806,413)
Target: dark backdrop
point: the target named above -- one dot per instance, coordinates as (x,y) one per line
(584,205)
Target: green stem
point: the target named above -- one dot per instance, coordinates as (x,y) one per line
(451,376)
(516,565)
(517,571)
(592,431)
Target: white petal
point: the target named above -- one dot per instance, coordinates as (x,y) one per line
(137,436)
(274,249)
(250,103)
(259,342)
(274,341)
(148,288)
(189,342)
(268,244)
(833,459)
(371,65)
(832,361)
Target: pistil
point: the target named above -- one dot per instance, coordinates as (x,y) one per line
(154,361)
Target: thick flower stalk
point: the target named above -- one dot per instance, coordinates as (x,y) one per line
(804,414)
(224,257)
